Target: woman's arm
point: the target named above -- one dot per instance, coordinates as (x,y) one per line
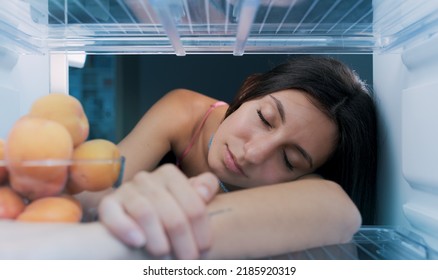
(20,240)
(168,217)
(277,219)
(245,224)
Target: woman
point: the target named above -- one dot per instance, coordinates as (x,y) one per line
(284,167)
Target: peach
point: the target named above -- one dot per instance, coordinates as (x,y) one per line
(96,166)
(3,170)
(66,110)
(37,153)
(11,204)
(52,209)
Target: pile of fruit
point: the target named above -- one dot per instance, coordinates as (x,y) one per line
(46,159)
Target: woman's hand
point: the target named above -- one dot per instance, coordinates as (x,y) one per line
(164,211)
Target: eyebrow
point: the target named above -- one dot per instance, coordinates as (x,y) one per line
(280,109)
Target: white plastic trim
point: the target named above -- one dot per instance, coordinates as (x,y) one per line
(58,73)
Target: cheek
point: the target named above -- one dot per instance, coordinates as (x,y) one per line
(231,128)
(233,122)
(246,126)
(272,172)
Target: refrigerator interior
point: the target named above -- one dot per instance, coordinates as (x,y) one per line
(42,40)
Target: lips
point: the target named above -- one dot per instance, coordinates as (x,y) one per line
(231,164)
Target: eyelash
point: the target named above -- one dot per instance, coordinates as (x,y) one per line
(262,118)
(287,162)
(265,122)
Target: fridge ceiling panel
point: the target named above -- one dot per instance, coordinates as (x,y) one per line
(214,26)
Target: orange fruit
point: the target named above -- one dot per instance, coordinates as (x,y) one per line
(71,198)
(96,166)
(11,204)
(66,110)
(32,149)
(3,170)
(52,209)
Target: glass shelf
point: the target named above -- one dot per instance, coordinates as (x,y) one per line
(214,26)
(370,243)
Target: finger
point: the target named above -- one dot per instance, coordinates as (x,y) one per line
(147,217)
(172,217)
(193,205)
(176,225)
(114,217)
(206,184)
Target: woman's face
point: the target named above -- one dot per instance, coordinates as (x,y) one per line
(274,139)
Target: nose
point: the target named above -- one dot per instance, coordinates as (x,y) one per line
(259,150)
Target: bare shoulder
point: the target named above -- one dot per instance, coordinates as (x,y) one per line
(178,104)
(186,109)
(173,115)
(188,100)
(189,106)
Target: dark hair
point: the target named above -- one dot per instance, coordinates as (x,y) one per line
(345,99)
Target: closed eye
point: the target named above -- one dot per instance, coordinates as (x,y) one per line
(287,162)
(262,118)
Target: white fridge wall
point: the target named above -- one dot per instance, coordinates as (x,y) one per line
(407,97)
(20,84)
(419,119)
(389,76)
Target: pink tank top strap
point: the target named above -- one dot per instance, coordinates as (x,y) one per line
(198,130)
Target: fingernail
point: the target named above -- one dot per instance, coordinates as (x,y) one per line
(136,239)
(204,192)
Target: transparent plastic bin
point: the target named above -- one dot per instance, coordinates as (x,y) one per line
(69,162)
(90,214)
